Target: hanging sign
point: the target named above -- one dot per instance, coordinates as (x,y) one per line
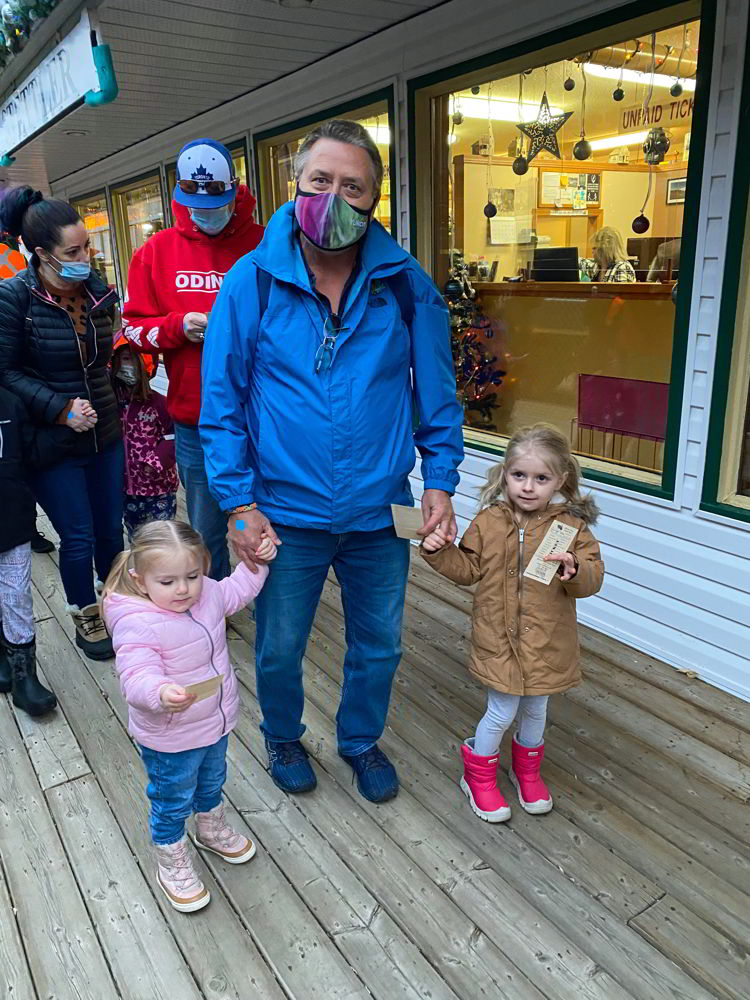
(678,111)
(54,87)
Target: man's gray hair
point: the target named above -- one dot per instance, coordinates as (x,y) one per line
(342,131)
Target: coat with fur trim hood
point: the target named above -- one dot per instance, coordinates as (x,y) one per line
(524,637)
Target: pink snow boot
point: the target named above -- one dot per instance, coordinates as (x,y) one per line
(213,833)
(525,773)
(479,785)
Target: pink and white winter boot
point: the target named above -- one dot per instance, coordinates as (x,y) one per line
(525,773)
(213,833)
(177,877)
(479,785)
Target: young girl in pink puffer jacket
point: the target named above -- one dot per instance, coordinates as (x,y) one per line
(166,618)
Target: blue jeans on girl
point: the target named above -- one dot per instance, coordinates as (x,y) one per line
(372,568)
(83,499)
(183,783)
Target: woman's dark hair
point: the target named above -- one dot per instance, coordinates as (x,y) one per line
(39,221)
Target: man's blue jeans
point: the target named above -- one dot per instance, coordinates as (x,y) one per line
(82,497)
(183,783)
(204,513)
(372,569)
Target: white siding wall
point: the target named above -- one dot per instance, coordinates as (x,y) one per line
(678,580)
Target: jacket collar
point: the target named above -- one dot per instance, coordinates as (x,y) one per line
(98,290)
(504,511)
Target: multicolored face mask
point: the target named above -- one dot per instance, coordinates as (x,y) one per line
(328,221)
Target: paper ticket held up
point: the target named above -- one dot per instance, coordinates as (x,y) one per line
(407,520)
(204,689)
(558,539)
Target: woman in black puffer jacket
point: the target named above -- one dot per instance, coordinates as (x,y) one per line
(56,325)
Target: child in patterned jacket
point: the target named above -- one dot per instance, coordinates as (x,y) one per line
(150,471)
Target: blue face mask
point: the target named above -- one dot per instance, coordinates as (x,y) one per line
(211,220)
(69,270)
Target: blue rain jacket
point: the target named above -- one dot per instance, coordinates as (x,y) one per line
(330,450)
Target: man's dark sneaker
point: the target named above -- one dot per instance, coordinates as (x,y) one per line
(41,544)
(376,776)
(289,766)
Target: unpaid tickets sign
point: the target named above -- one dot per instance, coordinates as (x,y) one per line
(58,83)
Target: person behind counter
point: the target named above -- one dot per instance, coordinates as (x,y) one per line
(609,262)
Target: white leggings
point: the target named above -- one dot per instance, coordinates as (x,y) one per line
(501,711)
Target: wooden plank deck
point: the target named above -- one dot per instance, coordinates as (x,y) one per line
(637,885)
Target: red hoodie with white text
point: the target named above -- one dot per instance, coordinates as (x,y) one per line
(177,271)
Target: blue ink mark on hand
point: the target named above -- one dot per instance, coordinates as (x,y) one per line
(239,525)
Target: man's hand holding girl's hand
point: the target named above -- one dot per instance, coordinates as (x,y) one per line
(175,698)
(568,564)
(436,540)
(252,538)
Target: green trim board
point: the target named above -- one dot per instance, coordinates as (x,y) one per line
(384,94)
(706,10)
(728,316)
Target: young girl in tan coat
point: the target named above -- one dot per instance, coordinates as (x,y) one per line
(524,644)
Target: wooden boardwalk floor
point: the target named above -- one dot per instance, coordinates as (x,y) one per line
(637,885)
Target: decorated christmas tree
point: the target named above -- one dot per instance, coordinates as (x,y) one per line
(479,375)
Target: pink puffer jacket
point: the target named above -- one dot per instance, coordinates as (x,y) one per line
(155,647)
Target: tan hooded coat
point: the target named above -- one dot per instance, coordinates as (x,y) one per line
(524,637)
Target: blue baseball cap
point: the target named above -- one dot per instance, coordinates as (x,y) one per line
(204,161)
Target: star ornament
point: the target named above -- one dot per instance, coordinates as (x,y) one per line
(543,131)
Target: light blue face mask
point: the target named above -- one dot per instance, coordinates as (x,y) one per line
(211,220)
(70,270)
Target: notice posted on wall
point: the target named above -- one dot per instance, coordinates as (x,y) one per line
(558,539)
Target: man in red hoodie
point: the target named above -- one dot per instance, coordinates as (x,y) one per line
(173,281)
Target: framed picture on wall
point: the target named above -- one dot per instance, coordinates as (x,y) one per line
(676,190)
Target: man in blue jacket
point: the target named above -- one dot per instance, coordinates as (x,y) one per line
(319,345)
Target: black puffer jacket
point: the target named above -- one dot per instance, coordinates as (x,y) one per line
(41,362)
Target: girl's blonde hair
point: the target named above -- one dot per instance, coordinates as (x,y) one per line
(149,541)
(553,447)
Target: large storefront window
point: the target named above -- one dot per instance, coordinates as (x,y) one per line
(239,163)
(557,195)
(139,213)
(93,210)
(276,154)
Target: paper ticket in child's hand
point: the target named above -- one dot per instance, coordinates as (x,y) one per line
(204,689)
(407,520)
(558,539)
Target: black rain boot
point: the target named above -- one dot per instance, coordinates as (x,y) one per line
(6,676)
(28,693)
(41,544)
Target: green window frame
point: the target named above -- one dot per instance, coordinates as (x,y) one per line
(263,140)
(634,18)
(730,390)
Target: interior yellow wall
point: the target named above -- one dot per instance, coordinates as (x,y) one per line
(622,198)
(547,341)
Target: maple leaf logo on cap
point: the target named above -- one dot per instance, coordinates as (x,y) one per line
(201,174)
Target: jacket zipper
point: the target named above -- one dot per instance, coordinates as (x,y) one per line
(80,356)
(213,667)
(521,536)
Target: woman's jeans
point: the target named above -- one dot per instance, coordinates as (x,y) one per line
(183,783)
(203,511)
(372,569)
(82,497)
